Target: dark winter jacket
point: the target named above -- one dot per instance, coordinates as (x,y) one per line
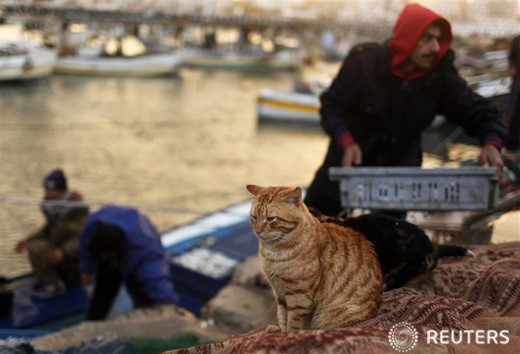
(144,258)
(386,114)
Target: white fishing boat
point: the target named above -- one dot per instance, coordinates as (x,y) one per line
(227,59)
(287,106)
(300,105)
(245,59)
(142,65)
(23,61)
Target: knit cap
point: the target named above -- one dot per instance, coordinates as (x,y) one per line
(55,180)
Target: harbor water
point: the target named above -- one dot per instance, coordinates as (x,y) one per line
(174,147)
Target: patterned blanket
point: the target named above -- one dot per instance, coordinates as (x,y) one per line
(466,305)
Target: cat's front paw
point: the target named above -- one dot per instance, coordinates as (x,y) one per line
(273,328)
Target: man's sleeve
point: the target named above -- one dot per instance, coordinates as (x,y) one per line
(338,100)
(478,116)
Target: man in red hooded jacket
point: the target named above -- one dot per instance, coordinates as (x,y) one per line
(386,94)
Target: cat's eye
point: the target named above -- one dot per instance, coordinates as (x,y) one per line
(270,218)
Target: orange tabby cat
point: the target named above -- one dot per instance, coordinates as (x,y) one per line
(322,275)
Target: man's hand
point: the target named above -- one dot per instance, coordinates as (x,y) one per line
(490,156)
(55,256)
(352,156)
(21,246)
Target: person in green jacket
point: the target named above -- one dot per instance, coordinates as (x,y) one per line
(53,249)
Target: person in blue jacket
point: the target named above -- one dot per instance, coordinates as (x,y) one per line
(120,245)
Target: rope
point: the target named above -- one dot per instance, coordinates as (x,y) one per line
(152,208)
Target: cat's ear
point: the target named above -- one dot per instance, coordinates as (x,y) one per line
(295,196)
(254,190)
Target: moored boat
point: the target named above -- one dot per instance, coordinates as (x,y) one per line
(227,59)
(143,65)
(246,60)
(286,106)
(23,61)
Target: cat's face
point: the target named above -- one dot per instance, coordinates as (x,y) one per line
(275,212)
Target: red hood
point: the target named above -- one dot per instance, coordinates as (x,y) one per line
(412,22)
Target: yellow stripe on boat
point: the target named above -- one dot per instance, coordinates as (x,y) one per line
(288,105)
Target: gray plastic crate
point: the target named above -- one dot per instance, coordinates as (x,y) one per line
(415,188)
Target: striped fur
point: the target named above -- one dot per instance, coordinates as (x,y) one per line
(322,275)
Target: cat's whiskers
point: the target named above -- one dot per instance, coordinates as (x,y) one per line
(268,236)
(252,233)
